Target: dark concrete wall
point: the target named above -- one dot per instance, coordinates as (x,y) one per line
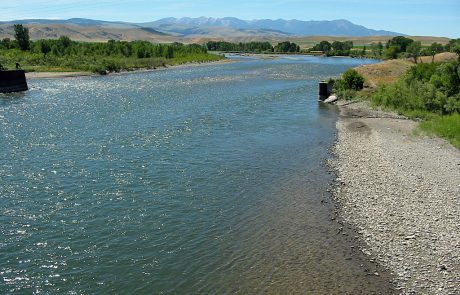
(323,90)
(13,81)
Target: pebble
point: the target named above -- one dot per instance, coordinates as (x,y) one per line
(402,193)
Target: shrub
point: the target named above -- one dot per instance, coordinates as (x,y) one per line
(347,86)
(426,87)
(352,80)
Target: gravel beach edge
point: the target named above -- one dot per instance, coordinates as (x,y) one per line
(402,193)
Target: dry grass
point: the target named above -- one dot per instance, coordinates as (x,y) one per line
(390,71)
(309,41)
(87,33)
(441,57)
(383,73)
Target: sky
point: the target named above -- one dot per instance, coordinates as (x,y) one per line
(412,17)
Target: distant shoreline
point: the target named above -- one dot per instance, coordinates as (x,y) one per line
(52,75)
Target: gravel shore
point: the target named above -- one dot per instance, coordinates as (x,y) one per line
(402,193)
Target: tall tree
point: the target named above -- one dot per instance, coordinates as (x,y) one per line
(21,34)
(434,49)
(397,45)
(456,49)
(66,42)
(45,47)
(363,52)
(414,49)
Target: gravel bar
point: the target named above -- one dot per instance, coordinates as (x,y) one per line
(402,193)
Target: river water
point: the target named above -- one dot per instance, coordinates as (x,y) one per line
(200,179)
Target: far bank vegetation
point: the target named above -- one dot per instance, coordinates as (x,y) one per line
(63,54)
(253,47)
(397,47)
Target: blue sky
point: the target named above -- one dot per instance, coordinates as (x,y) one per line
(413,17)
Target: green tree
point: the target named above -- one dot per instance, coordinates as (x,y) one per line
(45,47)
(65,41)
(451,44)
(337,45)
(399,41)
(397,45)
(446,78)
(414,49)
(287,47)
(341,48)
(380,48)
(324,46)
(6,43)
(392,52)
(456,49)
(434,49)
(377,49)
(169,52)
(21,34)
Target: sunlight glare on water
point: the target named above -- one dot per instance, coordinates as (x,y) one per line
(205,179)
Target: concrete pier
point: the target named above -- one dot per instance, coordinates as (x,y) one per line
(13,81)
(324,91)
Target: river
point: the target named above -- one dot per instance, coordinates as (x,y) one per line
(196,179)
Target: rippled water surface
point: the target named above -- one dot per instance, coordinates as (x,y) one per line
(205,179)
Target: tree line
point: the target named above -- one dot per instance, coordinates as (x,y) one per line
(335,48)
(401,47)
(253,47)
(396,47)
(96,56)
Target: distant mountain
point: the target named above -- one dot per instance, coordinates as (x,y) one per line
(188,29)
(281,26)
(81,29)
(88,29)
(73,21)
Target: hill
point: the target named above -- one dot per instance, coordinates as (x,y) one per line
(187,29)
(87,31)
(201,30)
(288,27)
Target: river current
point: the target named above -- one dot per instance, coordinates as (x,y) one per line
(192,180)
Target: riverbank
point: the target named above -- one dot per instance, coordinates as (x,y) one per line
(49,75)
(402,192)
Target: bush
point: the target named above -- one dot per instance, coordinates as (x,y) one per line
(430,88)
(352,80)
(346,87)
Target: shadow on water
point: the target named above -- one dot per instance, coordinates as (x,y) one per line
(7,98)
(328,110)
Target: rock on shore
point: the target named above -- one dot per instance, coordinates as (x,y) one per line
(402,192)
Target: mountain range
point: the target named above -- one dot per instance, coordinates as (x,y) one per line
(189,29)
(289,27)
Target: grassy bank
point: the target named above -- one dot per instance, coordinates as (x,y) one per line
(447,127)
